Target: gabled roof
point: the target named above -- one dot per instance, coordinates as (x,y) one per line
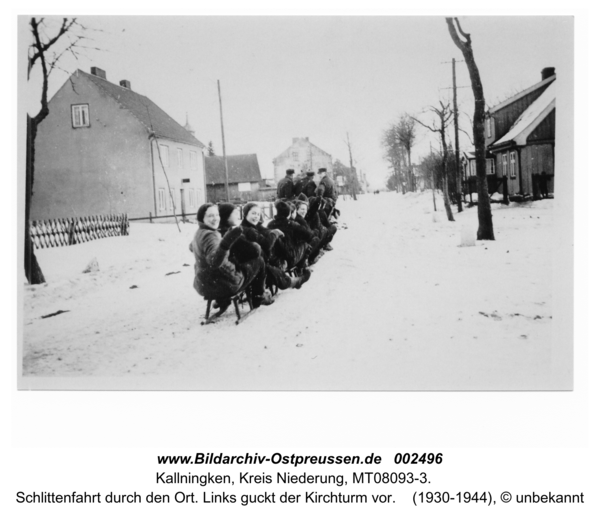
(242,168)
(522,94)
(146,111)
(530,118)
(296,144)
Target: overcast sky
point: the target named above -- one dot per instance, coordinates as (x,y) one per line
(317,77)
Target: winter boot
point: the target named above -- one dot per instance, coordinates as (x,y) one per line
(264,300)
(328,247)
(221,304)
(300,280)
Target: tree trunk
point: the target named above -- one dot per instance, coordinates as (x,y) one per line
(484,208)
(445,175)
(447,199)
(410,171)
(33,272)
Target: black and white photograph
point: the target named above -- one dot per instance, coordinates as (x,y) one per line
(295,203)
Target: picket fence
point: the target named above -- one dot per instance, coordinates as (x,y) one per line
(60,232)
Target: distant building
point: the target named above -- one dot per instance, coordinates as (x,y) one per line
(106,149)
(302,156)
(243,174)
(520,136)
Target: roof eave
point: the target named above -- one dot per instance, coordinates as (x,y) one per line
(526,91)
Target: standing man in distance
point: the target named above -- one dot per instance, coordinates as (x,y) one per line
(326,186)
(285,187)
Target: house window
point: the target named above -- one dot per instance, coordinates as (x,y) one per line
(164,155)
(172,199)
(198,196)
(473,167)
(295,156)
(244,187)
(513,164)
(80,115)
(193,160)
(191,197)
(162,199)
(504,164)
(488,127)
(180,158)
(491,167)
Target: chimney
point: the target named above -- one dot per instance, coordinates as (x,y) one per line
(98,72)
(125,84)
(548,72)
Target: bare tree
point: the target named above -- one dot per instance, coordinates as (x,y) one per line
(484,210)
(393,153)
(47,51)
(406,134)
(445,115)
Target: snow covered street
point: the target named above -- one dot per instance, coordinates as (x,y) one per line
(398,304)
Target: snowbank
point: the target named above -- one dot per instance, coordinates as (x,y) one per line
(398,304)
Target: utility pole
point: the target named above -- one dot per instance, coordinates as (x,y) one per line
(223,138)
(456,149)
(351,165)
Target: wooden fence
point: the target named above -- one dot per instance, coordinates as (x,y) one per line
(59,232)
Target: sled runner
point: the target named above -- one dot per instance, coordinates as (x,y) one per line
(237,300)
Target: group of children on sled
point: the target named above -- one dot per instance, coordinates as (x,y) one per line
(236,253)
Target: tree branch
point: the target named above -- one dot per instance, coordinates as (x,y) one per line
(433,130)
(463,33)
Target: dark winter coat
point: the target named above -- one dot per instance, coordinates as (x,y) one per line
(299,185)
(313,216)
(327,188)
(285,188)
(243,250)
(264,237)
(216,276)
(293,245)
(310,189)
(316,237)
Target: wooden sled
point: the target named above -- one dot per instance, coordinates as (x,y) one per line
(237,300)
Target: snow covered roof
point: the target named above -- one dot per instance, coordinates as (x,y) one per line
(530,118)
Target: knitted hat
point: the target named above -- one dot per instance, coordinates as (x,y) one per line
(248,207)
(290,171)
(202,211)
(322,170)
(302,197)
(225,210)
(310,173)
(283,210)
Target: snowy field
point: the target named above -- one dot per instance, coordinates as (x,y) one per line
(398,304)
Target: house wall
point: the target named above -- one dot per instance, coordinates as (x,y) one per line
(101,169)
(545,131)
(216,193)
(301,156)
(535,159)
(188,195)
